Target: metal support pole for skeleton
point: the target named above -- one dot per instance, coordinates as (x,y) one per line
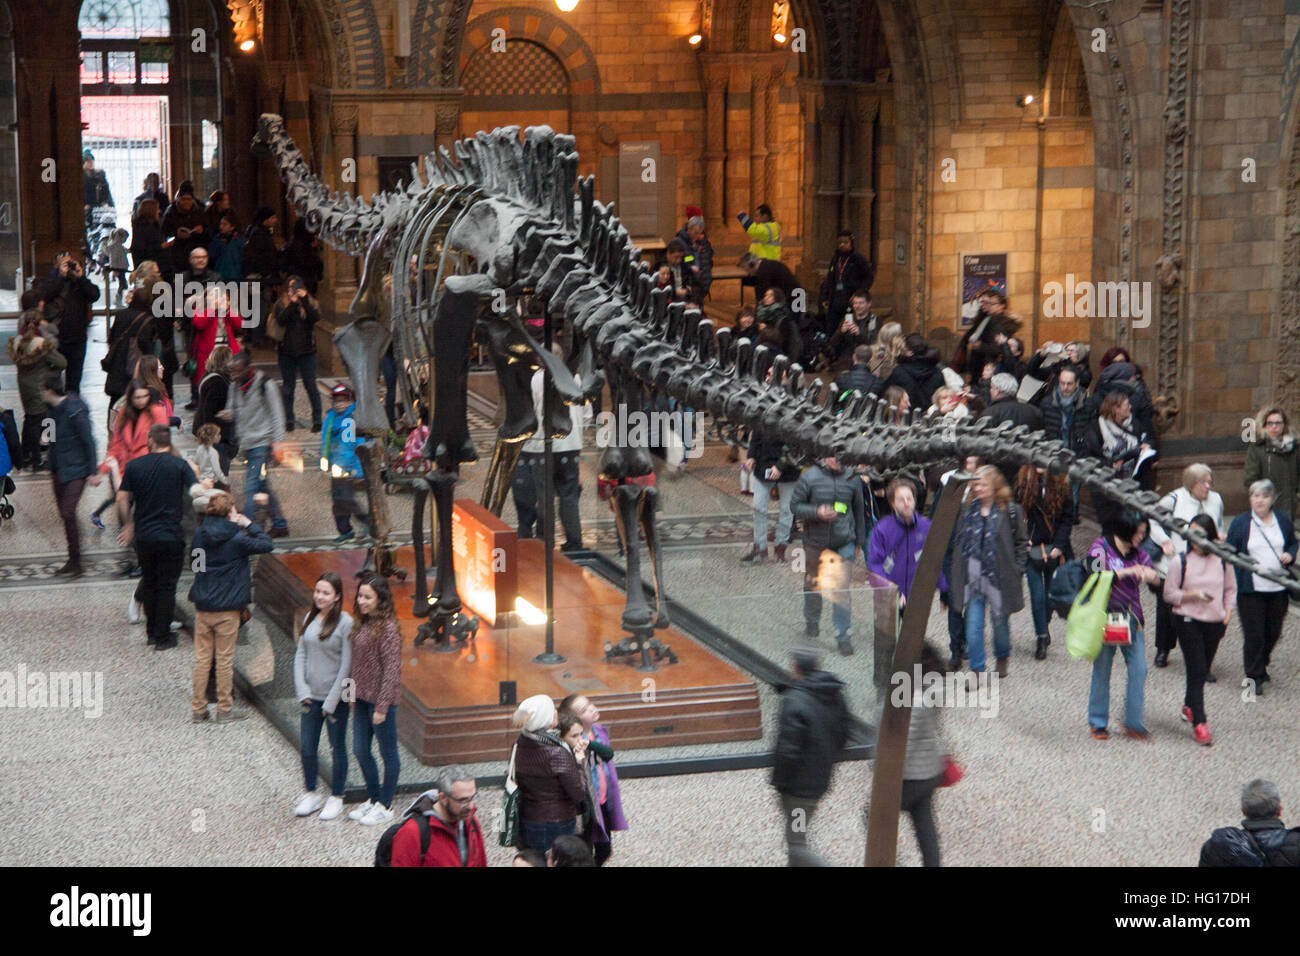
(895,720)
(548,506)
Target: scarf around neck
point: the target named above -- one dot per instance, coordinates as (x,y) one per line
(1116,439)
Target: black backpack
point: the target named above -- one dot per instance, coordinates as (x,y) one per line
(384,851)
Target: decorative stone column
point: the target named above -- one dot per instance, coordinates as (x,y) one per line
(446,117)
(759,134)
(343,132)
(715,154)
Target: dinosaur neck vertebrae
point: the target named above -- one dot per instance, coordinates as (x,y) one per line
(573,254)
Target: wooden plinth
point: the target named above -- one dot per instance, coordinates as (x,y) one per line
(449,711)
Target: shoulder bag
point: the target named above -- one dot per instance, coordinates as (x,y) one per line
(508,835)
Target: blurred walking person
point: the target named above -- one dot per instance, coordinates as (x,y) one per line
(1049,513)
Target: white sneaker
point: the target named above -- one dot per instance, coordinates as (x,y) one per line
(360,811)
(176,626)
(379,814)
(333,807)
(133,610)
(308,804)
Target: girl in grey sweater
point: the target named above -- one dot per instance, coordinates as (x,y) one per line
(924,764)
(322,666)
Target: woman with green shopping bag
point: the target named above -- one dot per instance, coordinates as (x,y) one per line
(1117,551)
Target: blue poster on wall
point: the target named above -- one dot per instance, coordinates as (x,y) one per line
(980,272)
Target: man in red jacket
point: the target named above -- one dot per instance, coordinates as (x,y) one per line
(455,837)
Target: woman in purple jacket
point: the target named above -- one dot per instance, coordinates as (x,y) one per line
(897,539)
(604,776)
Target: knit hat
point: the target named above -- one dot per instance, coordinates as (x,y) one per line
(535,713)
(341,390)
(694,211)
(86,154)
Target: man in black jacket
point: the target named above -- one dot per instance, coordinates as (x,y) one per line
(848,272)
(157,485)
(767,273)
(811,732)
(857,379)
(1261,840)
(68,296)
(1005,408)
(71,459)
(829,501)
(699,251)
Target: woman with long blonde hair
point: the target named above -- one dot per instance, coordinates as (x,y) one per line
(889,346)
(988,566)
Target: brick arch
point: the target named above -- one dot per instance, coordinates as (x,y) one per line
(533,26)
(354,22)
(445,41)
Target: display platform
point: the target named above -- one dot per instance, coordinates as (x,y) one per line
(450,709)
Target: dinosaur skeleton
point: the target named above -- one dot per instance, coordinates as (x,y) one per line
(503,222)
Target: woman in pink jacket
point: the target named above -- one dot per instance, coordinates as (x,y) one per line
(1202,590)
(130,438)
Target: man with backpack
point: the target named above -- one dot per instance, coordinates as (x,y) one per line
(440,828)
(812,730)
(1261,840)
(255,406)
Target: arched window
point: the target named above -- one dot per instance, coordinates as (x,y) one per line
(124,19)
(124,43)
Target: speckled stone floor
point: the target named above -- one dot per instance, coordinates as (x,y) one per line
(139,785)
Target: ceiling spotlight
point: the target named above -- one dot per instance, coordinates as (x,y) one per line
(1025,100)
(247,45)
(695,39)
(778,37)
(566,6)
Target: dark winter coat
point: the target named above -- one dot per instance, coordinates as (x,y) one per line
(769,452)
(224,581)
(846,273)
(131,337)
(811,731)
(820,486)
(551,787)
(1255,843)
(261,258)
(146,244)
(67,304)
(1049,372)
(33,356)
(857,378)
(841,345)
(773,272)
(298,319)
(1239,533)
(1012,553)
(1280,464)
(72,455)
(1054,418)
(919,376)
(699,253)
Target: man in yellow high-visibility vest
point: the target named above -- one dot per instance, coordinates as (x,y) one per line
(764,232)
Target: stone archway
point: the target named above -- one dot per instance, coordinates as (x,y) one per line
(529,25)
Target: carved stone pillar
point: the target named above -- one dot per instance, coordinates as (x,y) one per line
(343,132)
(715,154)
(771,116)
(861,195)
(758,136)
(446,117)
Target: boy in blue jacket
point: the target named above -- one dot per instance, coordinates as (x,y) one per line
(338,458)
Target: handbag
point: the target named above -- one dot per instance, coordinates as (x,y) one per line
(1118,629)
(508,835)
(274,330)
(952,772)
(1086,622)
(191,367)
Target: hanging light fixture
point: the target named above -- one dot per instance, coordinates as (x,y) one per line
(781,21)
(246,16)
(566,6)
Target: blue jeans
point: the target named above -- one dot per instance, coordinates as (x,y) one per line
(841,609)
(309,731)
(1135,659)
(256,480)
(540,836)
(363,731)
(784,518)
(956,629)
(1040,583)
(292,366)
(975,633)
